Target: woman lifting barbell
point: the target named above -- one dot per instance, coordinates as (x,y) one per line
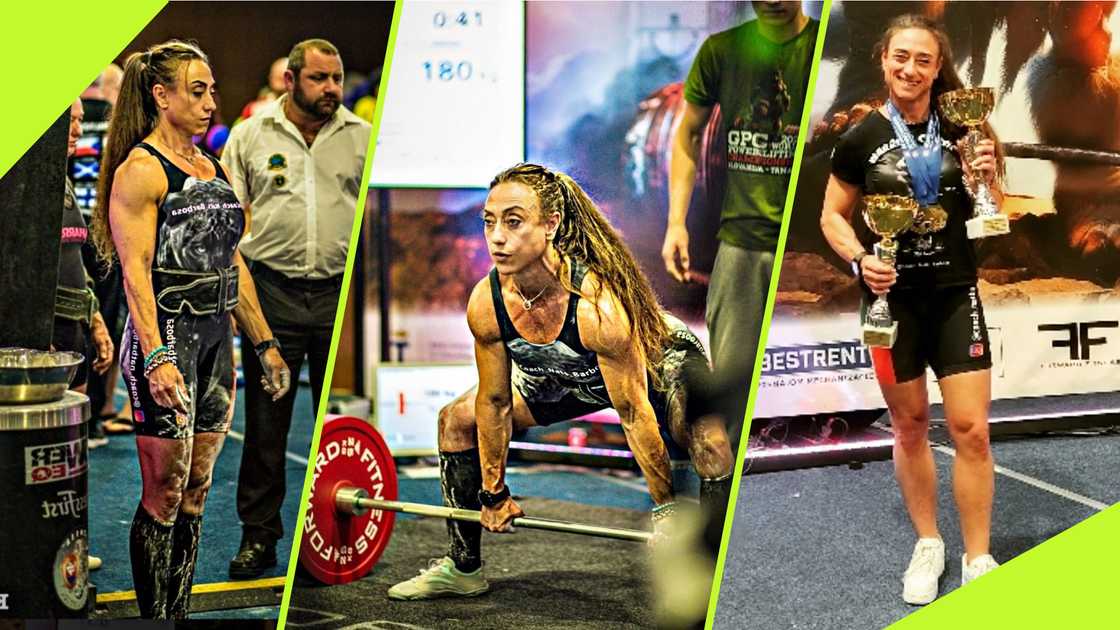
(564,325)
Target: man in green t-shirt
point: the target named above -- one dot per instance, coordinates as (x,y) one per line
(758,73)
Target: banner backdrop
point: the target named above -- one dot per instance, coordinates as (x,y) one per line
(1048,288)
(603,97)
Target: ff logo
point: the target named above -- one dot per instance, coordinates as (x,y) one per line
(1076,337)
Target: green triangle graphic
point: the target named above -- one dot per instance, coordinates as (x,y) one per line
(1069,581)
(54,50)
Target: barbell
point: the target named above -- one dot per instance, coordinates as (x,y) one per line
(353,505)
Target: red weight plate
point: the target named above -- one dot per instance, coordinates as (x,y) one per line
(338,548)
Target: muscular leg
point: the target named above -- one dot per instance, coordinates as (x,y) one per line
(188,525)
(908,404)
(164,467)
(461,472)
(967,397)
(710,451)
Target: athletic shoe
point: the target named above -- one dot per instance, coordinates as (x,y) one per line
(979,566)
(441,579)
(919,583)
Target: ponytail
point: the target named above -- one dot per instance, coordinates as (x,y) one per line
(134,117)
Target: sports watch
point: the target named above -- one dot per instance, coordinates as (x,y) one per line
(493,499)
(856,269)
(263,346)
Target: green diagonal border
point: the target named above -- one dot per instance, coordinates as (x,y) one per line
(53,57)
(324,395)
(737,478)
(1068,581)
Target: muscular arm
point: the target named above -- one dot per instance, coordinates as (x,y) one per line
(682,178)
(494,402)
(250,319)
(840,200)
(606,331)
(137,187)
(248,313)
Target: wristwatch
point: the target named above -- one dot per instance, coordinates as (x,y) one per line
(856,269)
(263,346)
(493,499)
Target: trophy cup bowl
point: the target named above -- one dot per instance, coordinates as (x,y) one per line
(970,107)
(887,216)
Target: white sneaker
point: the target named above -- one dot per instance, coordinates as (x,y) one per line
(919,583)
(441,579)
(979,566)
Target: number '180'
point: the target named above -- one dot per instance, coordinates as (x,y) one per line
(448,70)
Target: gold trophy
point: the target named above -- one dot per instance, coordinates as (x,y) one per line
(970,107)
(887,216)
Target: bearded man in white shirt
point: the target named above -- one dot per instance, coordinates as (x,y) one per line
(297,168)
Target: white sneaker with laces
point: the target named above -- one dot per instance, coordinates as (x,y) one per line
(979,566)
(920,582)
(441,579)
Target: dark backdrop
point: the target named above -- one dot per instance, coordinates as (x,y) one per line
(243,38)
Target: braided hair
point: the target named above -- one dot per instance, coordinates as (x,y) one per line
(585,234)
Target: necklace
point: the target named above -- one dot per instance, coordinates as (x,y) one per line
(528,302)
(189,158)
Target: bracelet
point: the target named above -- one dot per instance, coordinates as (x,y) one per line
(160,359)
(663,511)
(151,355)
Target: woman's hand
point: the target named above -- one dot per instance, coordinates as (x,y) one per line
(983,165)
(500,517)
(277,378)
(168,389)
(876,274)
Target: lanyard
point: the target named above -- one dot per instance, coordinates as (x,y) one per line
(922,161)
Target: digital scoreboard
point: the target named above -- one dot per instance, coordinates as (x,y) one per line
(454,113)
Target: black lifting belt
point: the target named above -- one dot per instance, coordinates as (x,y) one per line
(77,305)
(200,293)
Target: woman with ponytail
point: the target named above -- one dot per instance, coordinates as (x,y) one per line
(565,324)
(932,289)
(166,210)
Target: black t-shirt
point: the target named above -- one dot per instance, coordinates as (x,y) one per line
(71,271)
(868,156)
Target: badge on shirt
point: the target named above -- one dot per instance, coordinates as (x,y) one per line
(279,181)
(277,162)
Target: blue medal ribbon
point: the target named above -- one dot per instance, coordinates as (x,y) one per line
(922,161)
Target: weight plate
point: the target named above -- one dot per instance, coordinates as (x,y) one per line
(338,548)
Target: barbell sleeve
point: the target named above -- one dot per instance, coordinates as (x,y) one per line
(356,501)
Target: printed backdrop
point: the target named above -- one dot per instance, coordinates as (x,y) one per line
(603,94)
(1049,288)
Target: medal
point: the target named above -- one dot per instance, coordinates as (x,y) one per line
(930,219)
(923,162)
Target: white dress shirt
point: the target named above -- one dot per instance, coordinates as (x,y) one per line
(302,199)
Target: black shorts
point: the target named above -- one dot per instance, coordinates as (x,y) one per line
(73,336)
(203,347)
(685,353)
(943,328)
